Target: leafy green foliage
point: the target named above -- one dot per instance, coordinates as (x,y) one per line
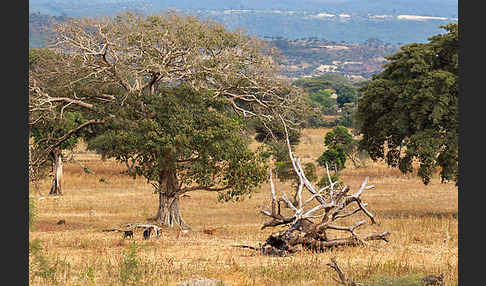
(56,128)
(33,213)
(321,89)
(409,112)
(273,131)
(130,272)
(339,138)
(322,99)
(344,87)
(346,94)
(186,134)
(340,144)
(52,126)
(333,158)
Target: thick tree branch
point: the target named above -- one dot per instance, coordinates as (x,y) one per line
(203,188)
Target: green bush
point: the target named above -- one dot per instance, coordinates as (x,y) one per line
(130,272)
(32,212)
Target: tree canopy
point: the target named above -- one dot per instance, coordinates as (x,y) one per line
(93,64)
(409,112)
(53,126)
(189,135)
(346,90)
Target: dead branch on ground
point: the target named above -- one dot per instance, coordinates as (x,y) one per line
(314,217)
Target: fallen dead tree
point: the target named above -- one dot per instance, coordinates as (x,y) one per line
(313,218)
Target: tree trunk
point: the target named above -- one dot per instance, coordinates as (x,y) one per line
(168,212)
(56,187)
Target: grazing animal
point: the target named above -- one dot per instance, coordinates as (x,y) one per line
(127,233)
(209,231)
(146,232)
(61,222)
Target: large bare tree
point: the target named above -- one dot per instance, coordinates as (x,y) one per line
(136,54)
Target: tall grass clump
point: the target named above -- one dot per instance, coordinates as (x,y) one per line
(33,213)
(130,272)
(43,267)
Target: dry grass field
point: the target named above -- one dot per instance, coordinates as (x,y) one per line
(422,221)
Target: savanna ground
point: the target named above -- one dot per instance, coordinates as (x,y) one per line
(422,221)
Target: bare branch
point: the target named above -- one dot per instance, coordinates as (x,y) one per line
(304,231)
(343,279)
(203,188)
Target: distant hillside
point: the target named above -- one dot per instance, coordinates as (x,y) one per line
(303,57)
(311,57)
(352,21)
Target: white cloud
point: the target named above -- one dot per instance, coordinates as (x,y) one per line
(419,18)
(324,15)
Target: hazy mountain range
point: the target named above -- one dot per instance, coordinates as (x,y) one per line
(352,21)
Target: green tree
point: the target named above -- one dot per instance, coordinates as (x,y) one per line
(340,139)
(346,93)
(181,141)
(346,90)
(410,111)
(322,98)
(325,81)
(338,142)
(97,65)
(334,158)
(52,127)
(347,116)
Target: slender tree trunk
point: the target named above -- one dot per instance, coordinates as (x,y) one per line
(168,212)
(56,187)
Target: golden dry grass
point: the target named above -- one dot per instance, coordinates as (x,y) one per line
(422,221)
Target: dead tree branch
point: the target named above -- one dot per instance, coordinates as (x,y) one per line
(330,205)
(342,277)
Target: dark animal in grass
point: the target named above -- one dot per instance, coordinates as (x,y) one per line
(127,233)
(433,279)
(61,222)
(146,233)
